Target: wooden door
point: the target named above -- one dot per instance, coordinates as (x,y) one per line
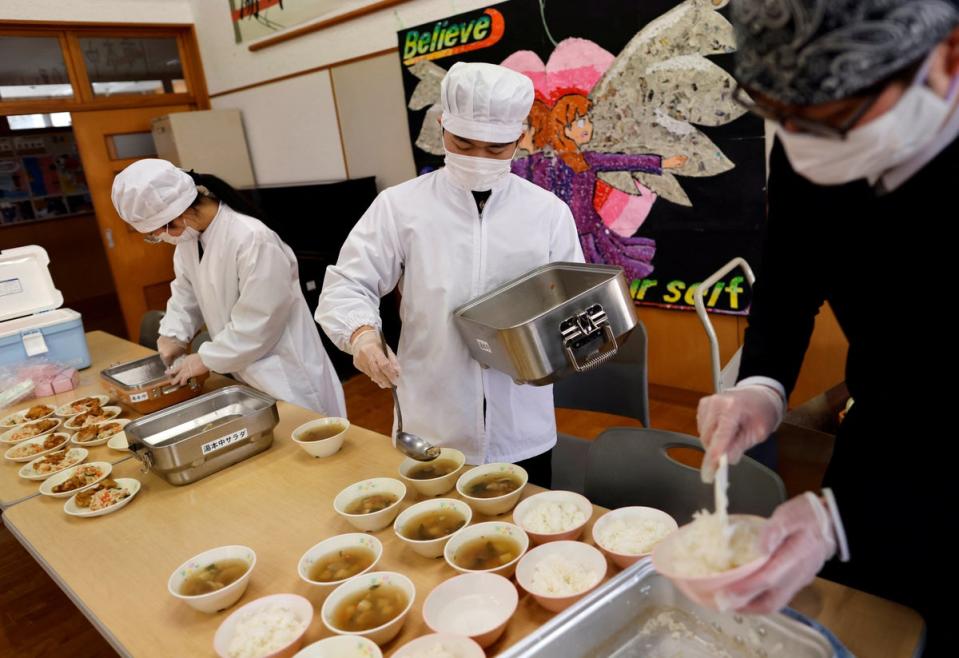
(108,142)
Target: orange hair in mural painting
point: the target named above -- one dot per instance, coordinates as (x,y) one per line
(567,110)
(539,121)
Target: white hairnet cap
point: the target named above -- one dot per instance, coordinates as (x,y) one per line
(485,102)
(151,192)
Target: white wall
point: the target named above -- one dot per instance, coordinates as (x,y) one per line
(292,125)
(107,11)
(229,65)
(291,130)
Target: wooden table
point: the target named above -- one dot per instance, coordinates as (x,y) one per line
(115,567)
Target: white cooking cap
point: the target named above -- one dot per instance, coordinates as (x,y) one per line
(151,192)
(485,102)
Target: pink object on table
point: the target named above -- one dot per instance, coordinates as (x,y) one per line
(67,380)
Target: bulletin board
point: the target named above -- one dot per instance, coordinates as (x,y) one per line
(41,177)
(634,104)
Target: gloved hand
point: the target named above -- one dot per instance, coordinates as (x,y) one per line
(170,348)
(189,366)
(799,538)
(734,421)
(368,357)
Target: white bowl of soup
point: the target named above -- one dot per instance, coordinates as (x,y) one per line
(215,579)
(433,478)
(337,559)
(426,527)
(373,605)
(492,547)
(493,489)
(370,505)
(321,437)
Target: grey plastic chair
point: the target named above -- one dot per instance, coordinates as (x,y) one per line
(619,387)
(150,328)
(198,340)
(631,467)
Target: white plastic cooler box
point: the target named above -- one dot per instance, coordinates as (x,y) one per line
(32,324)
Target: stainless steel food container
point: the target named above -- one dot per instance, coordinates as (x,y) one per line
(557,319)
(144,386)
(193,439)
(640,613)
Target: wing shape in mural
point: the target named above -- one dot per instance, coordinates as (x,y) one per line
(659,88)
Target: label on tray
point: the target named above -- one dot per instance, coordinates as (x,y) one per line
(224,441)
(139,397)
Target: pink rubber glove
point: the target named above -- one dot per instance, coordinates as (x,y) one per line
(799,538)
(190,366)
(734,421)
(368,357)
(170,348)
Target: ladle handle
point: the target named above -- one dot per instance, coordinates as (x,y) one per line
(396,399)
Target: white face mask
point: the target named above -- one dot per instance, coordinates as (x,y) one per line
(189,233)
(477,174)
(875,148)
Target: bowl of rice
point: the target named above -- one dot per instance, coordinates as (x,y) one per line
(269,627)
(341,646)
(701,560)
(628,534)
(560,573)
(553,516)
(440,645)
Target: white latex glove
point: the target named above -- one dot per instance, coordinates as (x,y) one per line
(368,357)
(170,348)
(732,422)
(799,538)
(187,367)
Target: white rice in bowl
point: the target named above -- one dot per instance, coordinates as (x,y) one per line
(556,575)
(550,518)
(264,631)
(702,550)
(635,536)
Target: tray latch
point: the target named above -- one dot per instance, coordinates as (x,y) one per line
(580,329)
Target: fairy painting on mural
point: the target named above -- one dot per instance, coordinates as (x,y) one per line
(615,135)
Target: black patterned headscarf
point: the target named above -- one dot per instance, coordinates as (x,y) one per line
(807,52)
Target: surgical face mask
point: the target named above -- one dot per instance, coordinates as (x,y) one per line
(477,174)
(189,233)
(873,149)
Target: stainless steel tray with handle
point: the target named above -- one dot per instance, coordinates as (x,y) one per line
(144,386)
(554,320)
(193,439)
(639,613)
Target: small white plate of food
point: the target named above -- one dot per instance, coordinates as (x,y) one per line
(99,433)
(30,449)
(75,479)
(80,405)
(43,467)
(106,496)
(30,430)
(30,414)
(96,414)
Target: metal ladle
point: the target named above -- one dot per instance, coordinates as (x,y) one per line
(412,446)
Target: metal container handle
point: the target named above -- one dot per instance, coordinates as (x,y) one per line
(582,328)
(143,455)
(605,353)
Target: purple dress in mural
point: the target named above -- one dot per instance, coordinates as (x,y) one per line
(577,189)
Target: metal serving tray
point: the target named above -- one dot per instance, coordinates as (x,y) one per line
(554,320)
(193,439)
(639,613)
(144,386)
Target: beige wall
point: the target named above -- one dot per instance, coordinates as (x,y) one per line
(107,11)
